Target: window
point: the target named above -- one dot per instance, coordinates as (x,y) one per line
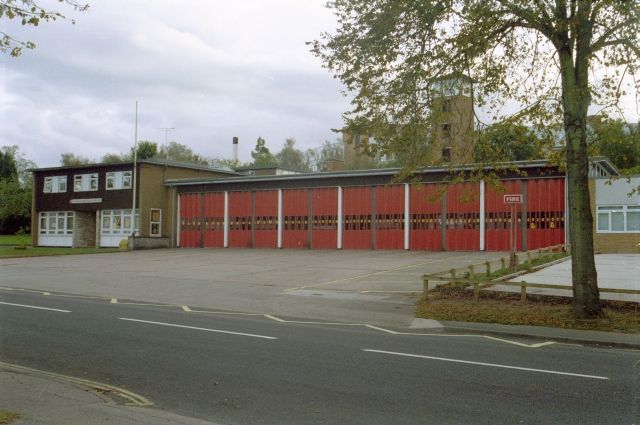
(56,223)
(118,180)
(55,184)
(446,131)
(85,182)
(118,222)
(155,222)
(618,218)
(446,154)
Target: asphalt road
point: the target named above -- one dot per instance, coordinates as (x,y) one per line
(237,369)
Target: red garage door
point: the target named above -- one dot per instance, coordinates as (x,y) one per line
(426,217)
(463,217)
(190,209)
(356,213)
(265,232)
(240,219)
(390,217)
(324,207)
(213,235)
(545,212)
(295,214)
(498,216)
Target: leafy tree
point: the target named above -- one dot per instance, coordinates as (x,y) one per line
(290,157)
(618,141)
(179,152)
(261,155)
(8,168)
(29,13)
(112,158)
(146,150)
(542,54)
(69,159)
(15,189)
(225,163)
(508,142)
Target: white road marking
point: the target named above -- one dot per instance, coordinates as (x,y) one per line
(198,329)
(114,301)
(528,369)
(46,293)
(36,307)
(186,308)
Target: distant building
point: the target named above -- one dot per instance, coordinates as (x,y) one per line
(453,125)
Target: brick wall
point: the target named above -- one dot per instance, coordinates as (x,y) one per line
(84,229)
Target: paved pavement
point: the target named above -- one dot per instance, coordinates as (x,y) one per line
(619,271)
(376,287)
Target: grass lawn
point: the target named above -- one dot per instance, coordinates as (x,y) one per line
(455,302)
(15,239)
(11,252)
(7,417)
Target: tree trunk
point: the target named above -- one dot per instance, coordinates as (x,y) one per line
(576,99)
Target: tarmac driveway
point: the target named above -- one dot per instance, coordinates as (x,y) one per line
(373,287)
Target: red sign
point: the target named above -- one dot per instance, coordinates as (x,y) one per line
(513,199)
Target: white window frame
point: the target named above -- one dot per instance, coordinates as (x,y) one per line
(157,222)
(84,182)
(119,180)
(52,221)
(608,210)
(121,216)
(55,184)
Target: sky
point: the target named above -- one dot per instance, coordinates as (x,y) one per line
(210,69)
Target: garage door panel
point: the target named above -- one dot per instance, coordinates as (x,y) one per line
(463,217)
(425,207)
(240,219)
(498,216)
(324,207)
(266,219)
(295,214)
(190,210)
(545,213)
(213,234)
(390,217)
(356,211)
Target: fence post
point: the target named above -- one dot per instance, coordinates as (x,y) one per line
(523,292)
(425,288)
(503,262)
(528,257)
(471,270)
(476,291)
(453,273)
(488,268)
(539,253)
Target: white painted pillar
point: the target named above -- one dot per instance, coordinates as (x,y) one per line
(178,222)
(226,219)
(482,215)
(407,215)
(280,218)
(566,209)
(339,217)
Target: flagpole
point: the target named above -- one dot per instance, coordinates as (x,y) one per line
(135,173)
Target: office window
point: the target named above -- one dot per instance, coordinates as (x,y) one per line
(618,218)
(118,180)
(85,182)
(118,222)
(56,223)
(55,184)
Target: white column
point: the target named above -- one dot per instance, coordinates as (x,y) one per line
(280,218)
(339,217)
(482,215)
(566,209)
(226,219)
(407,215)
(178,221)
